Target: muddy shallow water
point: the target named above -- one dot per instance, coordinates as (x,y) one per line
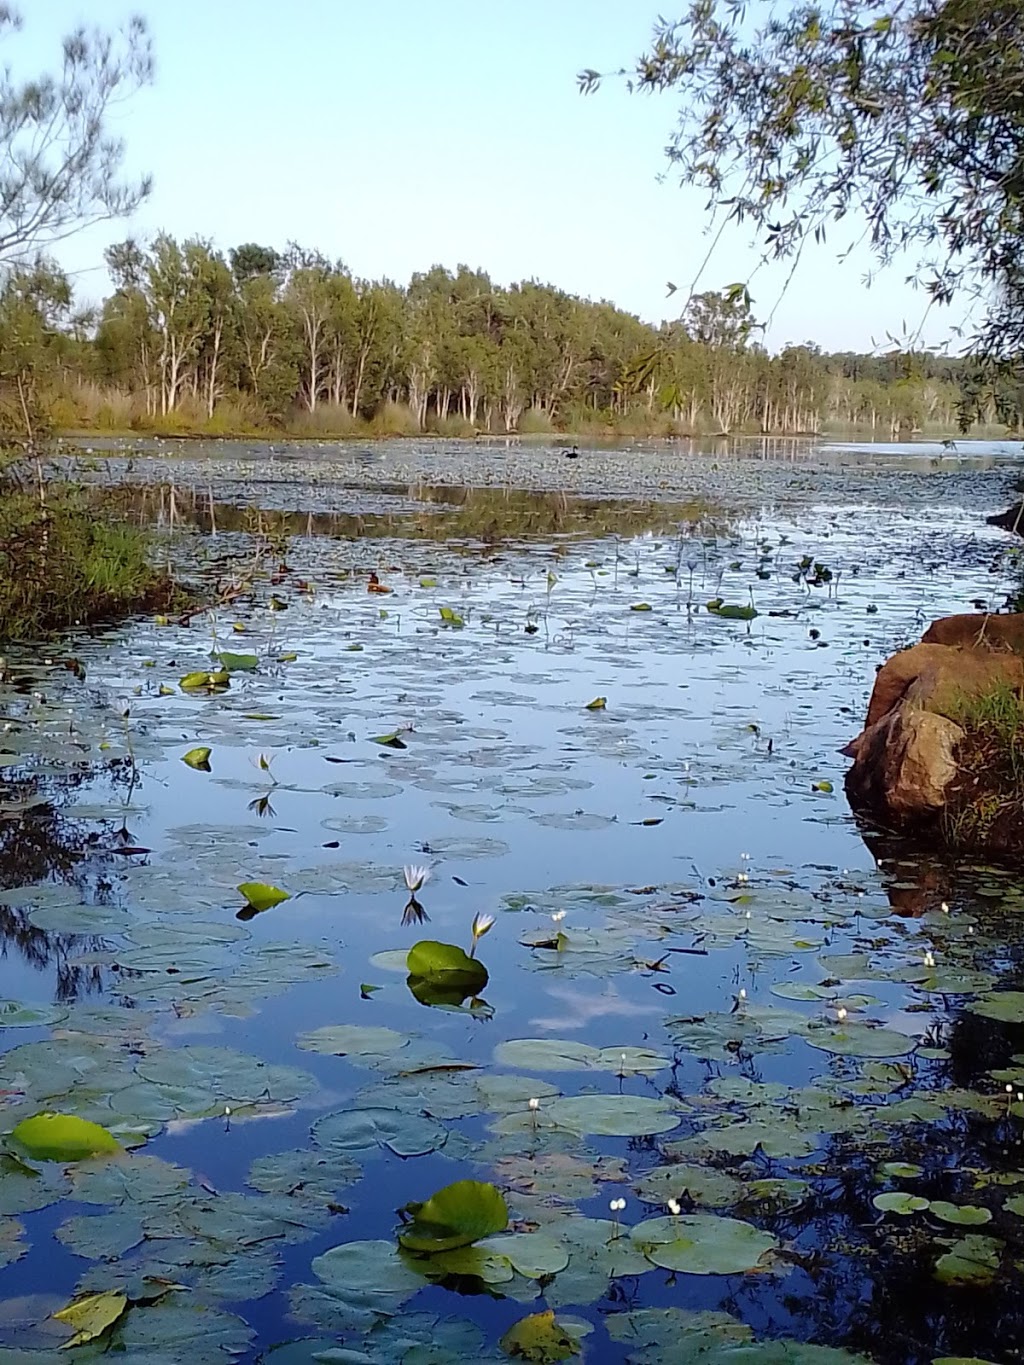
(794,1055)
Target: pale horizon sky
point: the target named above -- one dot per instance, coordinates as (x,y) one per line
(418,132)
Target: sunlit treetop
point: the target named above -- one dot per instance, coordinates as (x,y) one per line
(904,116)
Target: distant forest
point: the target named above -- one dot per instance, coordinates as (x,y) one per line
(191,340)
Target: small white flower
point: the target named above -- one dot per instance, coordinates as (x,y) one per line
(617,1205)
(929,958)
(743,993)
(534,1104)
(841,1013)
(415,876)
(1009,1089)
(558,916)
(227,1111)
(944,908)
(481,924)
(674,1207)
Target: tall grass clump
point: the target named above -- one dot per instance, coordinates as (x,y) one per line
(988,802)
(62,565)
(394,419)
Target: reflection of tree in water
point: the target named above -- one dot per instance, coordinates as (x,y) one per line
(40,843)
(484,516)
(865,1282)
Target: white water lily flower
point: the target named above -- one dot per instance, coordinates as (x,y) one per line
(415,876)
(558,916)
(674,1207)
(481,925)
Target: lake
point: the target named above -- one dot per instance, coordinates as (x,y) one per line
(746,1080)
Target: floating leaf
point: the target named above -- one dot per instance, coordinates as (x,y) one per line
(451,618)
(641,606)
(973,1260)
(91,1316)
(533,1254)
(967,1214)
(901,1170)
(861,1040)
(62,1137)
(198,758)
(259,896)
(456,1216)
(702,1244)
(1005,1006)
(825,787)
(539,1338)
(895,1201)
(361,1129)
(205,681)
(238,663)
(443,974)
(393,740)
(613,1115)
(598,704)
(732,611)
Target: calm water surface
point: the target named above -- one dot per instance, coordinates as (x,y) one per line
(718,992)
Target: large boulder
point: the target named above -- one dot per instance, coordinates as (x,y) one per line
(924,761)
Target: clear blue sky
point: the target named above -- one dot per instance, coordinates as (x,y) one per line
(399,133)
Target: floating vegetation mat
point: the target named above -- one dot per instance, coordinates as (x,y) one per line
(463,952)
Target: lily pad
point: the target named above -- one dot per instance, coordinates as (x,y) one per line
(613,1115)
(703,1244)
(456,1216)
(896,1201)
(967,1214)
(62,1137)
(91,1316)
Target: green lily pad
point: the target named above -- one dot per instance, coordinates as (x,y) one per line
(443,974)
(540,1338)
(456,1216)
(363,1129)
(532,1254)
(973,1260)
(198,758)
(968,1214)
(259,896)
(1006,1006)
(237,663)
(550,1054)
(612,1115)
(367,1043)
(860,1040)
(62,1137)
(895,1201)
(702,1244)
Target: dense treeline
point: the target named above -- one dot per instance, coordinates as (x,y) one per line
(191,339)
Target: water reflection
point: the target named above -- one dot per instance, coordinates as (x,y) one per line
(40,844)
(483,516)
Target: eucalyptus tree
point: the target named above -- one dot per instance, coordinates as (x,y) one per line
(901,121)
(60,168)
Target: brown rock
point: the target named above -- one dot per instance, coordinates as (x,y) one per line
(979,630)
(905,767)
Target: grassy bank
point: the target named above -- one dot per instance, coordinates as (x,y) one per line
(87,409)
(62,565)
(987,805)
